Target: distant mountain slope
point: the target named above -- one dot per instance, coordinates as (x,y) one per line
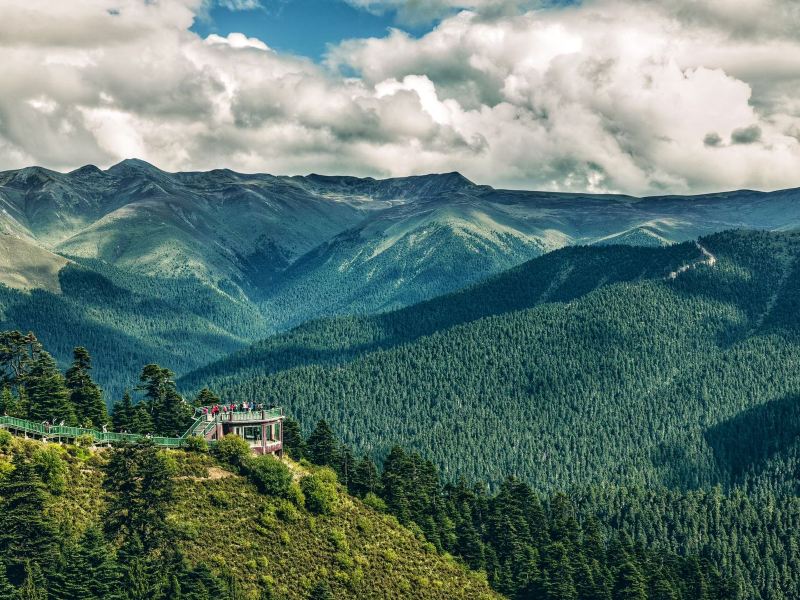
(624,378)
(259,254)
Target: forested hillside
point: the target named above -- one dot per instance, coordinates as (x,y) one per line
(185,268)
(647,377)
(139,519)
(127,320)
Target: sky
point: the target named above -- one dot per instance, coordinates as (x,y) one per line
(633,96)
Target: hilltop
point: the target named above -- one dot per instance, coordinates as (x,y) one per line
(264,542)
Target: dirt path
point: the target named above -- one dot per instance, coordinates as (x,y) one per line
(708,259)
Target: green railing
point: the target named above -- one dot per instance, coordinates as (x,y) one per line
(201,427)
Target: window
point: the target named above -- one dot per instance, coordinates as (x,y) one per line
(252,433)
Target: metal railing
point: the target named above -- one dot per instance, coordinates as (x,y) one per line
(201,427)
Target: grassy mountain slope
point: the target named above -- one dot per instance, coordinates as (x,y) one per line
(207,263)
(624,381)
(223,521)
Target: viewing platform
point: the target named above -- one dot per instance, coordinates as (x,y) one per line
(262,429)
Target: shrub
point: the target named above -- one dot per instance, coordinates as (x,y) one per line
(375,503)
(296,495)
(287,512)
(320,491)
(232,450)
(6,440)
(84,441)
(269,474)
(195,444)
(51,468)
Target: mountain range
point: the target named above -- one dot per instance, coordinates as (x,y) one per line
(185,268)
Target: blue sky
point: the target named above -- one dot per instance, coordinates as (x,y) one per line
(302,27)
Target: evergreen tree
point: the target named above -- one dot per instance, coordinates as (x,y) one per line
(124,413)
(201,584)
(293,443)
(7,591)
(321,591)
(26,534)
(206,398)
(346,467)
(630,583)
(47,393)
(89,570)
(9,404)
(322,447)
(85,395)
(171,415)
(141,489)
(34,586)
(365,478)
(558,572)
(140,484)
(16,354)
(142,421)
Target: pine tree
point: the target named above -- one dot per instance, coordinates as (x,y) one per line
(321,591)
(557,572)
(171,415)
(365,478)
(123,415)
(7,591)
(34,586)
(206,398)
(26,534)
(16,354)
(293,442)
(48,396)
(630,583)
(142,421)
(9,405)
(139,481)
(201,584)
(346,467)
(321,447)
(85,395)
(89,571)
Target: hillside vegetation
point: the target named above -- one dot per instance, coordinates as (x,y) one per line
(622,373)
(232,541)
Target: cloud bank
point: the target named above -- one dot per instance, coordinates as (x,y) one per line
(607,95)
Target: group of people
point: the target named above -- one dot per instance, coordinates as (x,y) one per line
(231,408)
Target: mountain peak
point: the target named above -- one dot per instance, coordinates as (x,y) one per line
(86,170)
(136,165)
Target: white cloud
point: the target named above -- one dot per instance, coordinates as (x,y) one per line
(610,95)
(237,40)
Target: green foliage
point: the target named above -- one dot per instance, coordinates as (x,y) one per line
(321,447)
(269,474)
(51,468)
(542,371)
(319,489)
(195,443)
(6,440)
(47,394)
(139,482)
(85,395)
(88,570)
(170,414)
(293,443)
(26,533)
(232,450)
